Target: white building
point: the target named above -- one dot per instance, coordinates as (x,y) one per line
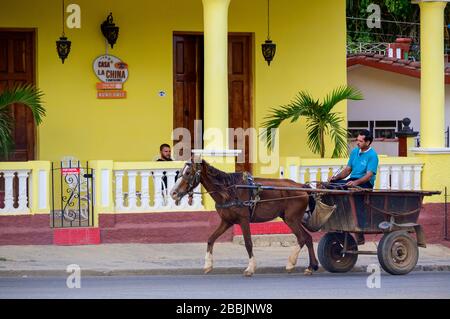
(391,88)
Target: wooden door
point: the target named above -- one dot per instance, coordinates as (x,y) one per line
(188,85)
(188,82)
(17,53)
(239,93)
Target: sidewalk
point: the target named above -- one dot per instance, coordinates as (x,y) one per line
(175,259)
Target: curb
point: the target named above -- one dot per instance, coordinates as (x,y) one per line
(189,271)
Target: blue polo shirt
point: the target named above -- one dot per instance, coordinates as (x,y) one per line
(362,162)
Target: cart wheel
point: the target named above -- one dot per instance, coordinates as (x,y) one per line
(329,252)
(398,253)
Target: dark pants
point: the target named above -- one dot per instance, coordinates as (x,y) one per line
(359,199)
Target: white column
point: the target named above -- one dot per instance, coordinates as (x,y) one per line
(335,169)
(119,190)
(313,175)
(145,195)
(9,199)
(407,177)
(23,200)
(384,177)
(131,189)
(197,200)
(43,189)
(293,173)
(158,182)
(417,177)
(171,174)
(395,176)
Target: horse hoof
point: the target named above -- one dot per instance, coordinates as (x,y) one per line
(308,272)
(208,270)
(248,273)
(290,269)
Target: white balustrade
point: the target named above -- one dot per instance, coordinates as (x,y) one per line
(317,173)
(20,200)
(417,169)
(140,199)
(407,178)
(384,176)
(390,176)
(145,193)
(293,173)
(119,190)
(395,176)
(324,173)
(313,175)
(303,171)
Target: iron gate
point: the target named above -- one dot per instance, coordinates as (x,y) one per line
(72,195)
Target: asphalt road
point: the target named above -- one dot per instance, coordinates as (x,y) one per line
(434,285)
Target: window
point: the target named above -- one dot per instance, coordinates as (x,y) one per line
(379,129)
(385,129)
(354,127)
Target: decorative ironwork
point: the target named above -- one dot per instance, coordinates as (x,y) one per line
(367,47)
(63,44)
(75,207)
(109,30)
(268,47)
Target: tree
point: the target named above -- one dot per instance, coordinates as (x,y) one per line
(25,94)
(321,120)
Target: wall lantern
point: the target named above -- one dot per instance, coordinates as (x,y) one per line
(109,30)
(63,44)
(268,48)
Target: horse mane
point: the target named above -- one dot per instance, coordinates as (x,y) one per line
(226,178)
(222,181)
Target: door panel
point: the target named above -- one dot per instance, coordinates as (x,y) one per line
(17,66)
(188,85)
(239,92)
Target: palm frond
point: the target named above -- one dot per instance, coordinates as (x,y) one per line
(5,131)
(339,94)
(25,94)
(313,139)
(320,120)
(300,106)
(338,136)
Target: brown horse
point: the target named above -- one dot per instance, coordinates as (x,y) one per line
(234,207)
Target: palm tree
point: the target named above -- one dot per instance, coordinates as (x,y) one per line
(25,94)
(321,120)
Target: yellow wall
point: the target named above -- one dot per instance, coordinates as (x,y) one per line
(310,38)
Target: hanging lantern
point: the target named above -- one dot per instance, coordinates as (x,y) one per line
(63,47)
(109,30)
(63,44)
(268,47)
(268,50)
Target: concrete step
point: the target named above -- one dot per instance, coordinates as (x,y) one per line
(273,240)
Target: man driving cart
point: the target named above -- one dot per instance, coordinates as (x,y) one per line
(362,167)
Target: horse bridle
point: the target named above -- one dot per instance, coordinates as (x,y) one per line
(192,180)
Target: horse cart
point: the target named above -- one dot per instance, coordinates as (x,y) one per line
(394,214)
(343,212)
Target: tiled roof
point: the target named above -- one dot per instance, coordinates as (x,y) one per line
(383,62)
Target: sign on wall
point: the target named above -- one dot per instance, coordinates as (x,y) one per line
(112,72)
